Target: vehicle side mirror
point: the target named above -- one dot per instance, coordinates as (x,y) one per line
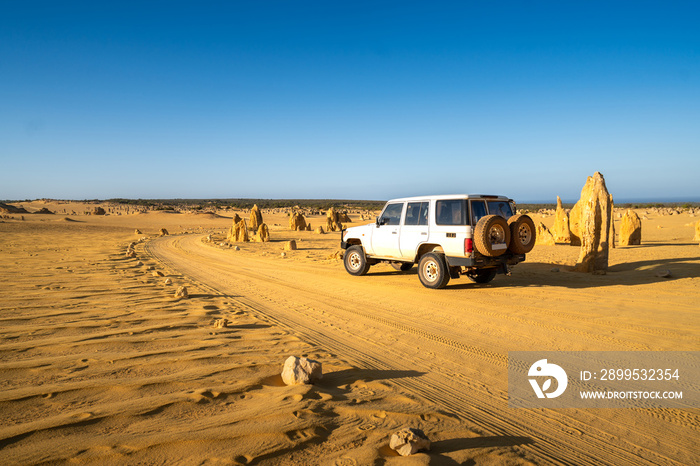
(378,222)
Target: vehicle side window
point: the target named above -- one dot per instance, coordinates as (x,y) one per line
(391,215)
(478,211)
(501,208)
(451,212)
(416,213)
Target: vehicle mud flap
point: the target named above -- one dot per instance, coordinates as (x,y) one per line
(504,269)
(454,272)
(343,244)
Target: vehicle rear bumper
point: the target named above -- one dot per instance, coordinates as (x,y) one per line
(483,261)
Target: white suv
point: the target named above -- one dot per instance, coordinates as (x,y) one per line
(472,234)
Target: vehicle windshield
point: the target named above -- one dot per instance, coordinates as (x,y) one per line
(391,215)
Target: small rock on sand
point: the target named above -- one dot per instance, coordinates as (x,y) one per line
(664,273)
(168,281)
(338,255)
(163,232)
(182,293)
(290,245)
(408,441)
(299,371)
(220,323)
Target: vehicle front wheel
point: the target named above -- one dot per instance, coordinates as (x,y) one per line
(355,261)
(432,271)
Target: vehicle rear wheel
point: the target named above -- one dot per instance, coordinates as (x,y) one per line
(483,276)
(432,271)
(522,234)
(402,266)
(492,235)
(355,261)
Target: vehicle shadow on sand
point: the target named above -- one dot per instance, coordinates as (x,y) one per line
(538,274)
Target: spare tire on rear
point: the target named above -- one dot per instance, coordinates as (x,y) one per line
(522,234)
(492,235)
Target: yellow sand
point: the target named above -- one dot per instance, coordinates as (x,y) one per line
(100,363)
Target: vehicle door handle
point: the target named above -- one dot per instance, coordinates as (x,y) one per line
(394,233)
(424,233)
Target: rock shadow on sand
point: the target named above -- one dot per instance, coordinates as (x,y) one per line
(350,376)
(439,450)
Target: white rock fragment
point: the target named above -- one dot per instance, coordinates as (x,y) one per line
(182,293)
(408,441)
(299,371)
(168,281)
(220,323)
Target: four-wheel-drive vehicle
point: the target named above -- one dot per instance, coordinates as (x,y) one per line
(470,234)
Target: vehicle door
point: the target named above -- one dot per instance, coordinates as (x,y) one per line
(414,229)
(385,237)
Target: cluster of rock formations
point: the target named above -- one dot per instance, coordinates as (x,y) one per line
(590,225)
(239,230)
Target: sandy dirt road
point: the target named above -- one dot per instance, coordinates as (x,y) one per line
(450,347)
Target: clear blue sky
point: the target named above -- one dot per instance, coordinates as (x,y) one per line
(351,100)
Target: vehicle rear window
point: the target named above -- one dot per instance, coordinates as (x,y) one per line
(478,211)
(392,214)
(451,212)
(416,213)
(501,208)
